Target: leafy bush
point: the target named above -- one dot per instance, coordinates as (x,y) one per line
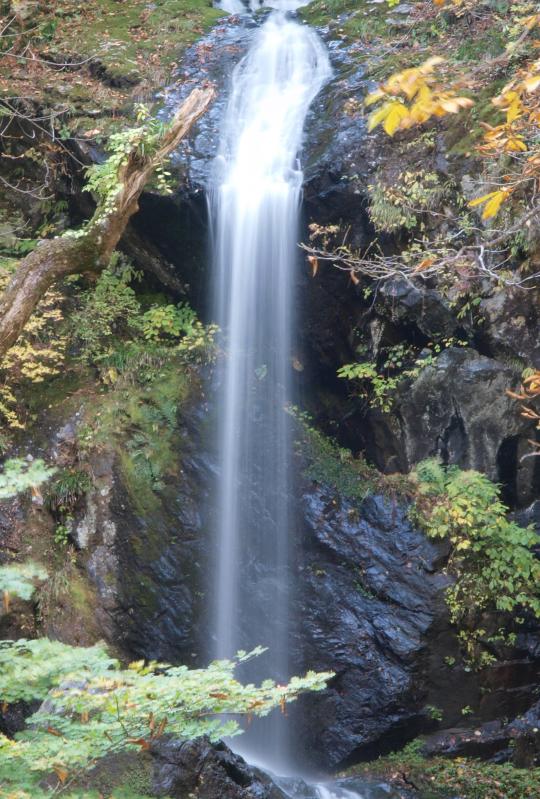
(108,310)
(111,327)
(179,324)
(38,354)
(19,475)
(381,388)
(18,579)
(167,321)
(95,707)
(403,203)
(491,558)
(441,777)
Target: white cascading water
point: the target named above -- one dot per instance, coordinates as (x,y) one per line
(255,204)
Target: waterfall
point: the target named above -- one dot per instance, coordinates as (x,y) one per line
(255,203)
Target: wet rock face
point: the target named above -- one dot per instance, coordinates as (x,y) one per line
(200,770)
(512,320)
(148,569)
(204,771)
(369,595)
(370,607)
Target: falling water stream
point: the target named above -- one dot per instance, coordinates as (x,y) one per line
(255,202)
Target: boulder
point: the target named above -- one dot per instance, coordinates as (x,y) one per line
(517,741)
(202,770)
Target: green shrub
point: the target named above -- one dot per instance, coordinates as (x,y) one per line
(440,778)
(18,579)
(96,708)
(108,310)
(491,558)
(19,475)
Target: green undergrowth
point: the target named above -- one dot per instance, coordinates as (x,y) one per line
(138,418)
(328,463)
(495,573)
(492,558)
(131,36)
(385,41)
(441,778)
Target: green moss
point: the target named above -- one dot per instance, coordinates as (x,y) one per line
(138,417)
(122,51)
(67,604)
(127,775)
(438,778)
(348,19)
(332,465)
(131,38)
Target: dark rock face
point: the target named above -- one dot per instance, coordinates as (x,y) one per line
(369,596)
(517,741)
(368,600)
(148,568)
(420,306)
(204,771)
(200,770)
(458,409)
(512,320)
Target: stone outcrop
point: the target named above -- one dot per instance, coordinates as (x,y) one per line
(457,409)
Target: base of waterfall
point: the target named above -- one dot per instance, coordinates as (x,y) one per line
(202,770)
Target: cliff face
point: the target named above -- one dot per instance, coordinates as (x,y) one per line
(370,587)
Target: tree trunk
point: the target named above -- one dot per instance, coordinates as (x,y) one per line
(90,249)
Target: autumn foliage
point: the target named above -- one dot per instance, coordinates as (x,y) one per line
(414,96)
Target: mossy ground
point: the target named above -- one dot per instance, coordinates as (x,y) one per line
(441,778)
(86,63)
(139,420)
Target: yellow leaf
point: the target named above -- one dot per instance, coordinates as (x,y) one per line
(454,104)
(531,84)
(421,112)
(427,262)
(378,116)
(516,145)
(429,65)
(493,205)
(396,114)
(61,773)
(314,263)
(373,97)
(514,110)
(482,199)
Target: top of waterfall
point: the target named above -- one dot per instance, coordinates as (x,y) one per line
(245,6)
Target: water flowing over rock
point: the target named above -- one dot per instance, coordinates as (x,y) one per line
(255,206)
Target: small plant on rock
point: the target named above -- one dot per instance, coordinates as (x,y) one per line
(491,558)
